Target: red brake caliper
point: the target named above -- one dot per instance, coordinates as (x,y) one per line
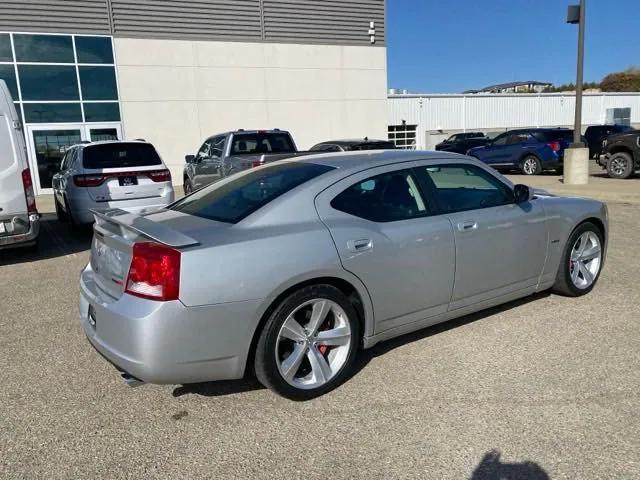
(323,349)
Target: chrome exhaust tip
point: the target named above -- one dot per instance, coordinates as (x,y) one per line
(131,380)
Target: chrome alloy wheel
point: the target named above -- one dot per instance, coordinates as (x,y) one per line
(585,261)
(313,344)
(530,166)
(618,165)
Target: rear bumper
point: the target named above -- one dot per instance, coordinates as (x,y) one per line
(27,228)
(82,203)
(168,342)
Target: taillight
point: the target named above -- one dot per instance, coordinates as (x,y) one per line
(555,146)
(88,180)
(29,194)
(154,272)
(159,175)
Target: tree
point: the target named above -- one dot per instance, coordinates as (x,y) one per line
(626,81)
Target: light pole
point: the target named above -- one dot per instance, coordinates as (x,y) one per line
(576,159)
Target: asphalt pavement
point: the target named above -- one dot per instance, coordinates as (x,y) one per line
(545,387)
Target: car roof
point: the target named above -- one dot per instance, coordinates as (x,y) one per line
(353,141)
(362,159)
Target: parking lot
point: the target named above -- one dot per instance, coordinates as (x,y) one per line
(545,387)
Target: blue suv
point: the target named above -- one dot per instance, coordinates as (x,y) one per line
(530,150)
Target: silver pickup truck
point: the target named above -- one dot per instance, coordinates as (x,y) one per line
(231,152)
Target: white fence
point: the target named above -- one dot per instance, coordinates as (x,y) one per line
(437,116)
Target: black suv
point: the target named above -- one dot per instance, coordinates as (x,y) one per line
(462,142)
(595,134)
(621,154)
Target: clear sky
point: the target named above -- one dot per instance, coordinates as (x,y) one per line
(439,46)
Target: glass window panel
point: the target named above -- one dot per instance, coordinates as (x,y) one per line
(52,112)
(48,82)
(50,146)
(94,50)
(43,48)
(8,74)
(98,83)
(5,48)
(101,112)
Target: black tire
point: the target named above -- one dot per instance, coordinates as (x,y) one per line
(531,160)
(620,165)
(187,187)
(60,213)
(563,284)
(266,369)
(560,170)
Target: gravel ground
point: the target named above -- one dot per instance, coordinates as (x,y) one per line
(546,387)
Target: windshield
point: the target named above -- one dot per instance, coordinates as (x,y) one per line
(119,155)
(259,143)
(234,200)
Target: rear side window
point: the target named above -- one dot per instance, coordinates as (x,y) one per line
(119,155)
(552,136)
(466,187)
(374,146)
(384,198)
(259,143)
(234,200)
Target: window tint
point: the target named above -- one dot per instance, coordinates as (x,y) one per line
(48,82)
(94,50)
(234,200)
(98,83)
(120,154)
(554,135)
(384,198)
(247,143)
(43,48)
(517,138)
(8,74)
(52,112)
(101,112)
(466,187)
(5,48)
(501,139)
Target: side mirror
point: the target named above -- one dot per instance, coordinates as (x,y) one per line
(522,193)
(189,158)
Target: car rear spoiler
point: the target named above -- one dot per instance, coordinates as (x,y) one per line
(143,226)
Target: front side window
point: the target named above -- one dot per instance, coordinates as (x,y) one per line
(234,200)
(384,198)
(501,139)
(204,149)
(217,146)
(466,187)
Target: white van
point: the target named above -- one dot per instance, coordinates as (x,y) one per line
(19,218)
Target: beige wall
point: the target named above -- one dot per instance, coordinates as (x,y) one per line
(176,93)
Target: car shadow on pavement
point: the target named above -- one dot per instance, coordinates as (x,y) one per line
(386,346)
(492,468)
(250,383)
(56,239)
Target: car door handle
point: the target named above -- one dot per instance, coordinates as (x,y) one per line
(361,245)
(466,226)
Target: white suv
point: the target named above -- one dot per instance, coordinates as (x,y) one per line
(129,175)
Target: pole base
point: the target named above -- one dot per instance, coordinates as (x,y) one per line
(576,166)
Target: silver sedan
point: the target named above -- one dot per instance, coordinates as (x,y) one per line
(288,270)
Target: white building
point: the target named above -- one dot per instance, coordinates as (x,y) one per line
(175,72)
(423,120)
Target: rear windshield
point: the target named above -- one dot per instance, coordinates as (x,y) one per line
(118,155)
(252,143)
(553,135)
(232,201)
(374,146)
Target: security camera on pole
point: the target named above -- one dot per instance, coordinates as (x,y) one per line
(576,157)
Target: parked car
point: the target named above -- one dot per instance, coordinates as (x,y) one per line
(595,134)
(129,175)
(530,150)
(353,145)
(290,268)
(621,154)
(19,218)
(462,142)
(227,153)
